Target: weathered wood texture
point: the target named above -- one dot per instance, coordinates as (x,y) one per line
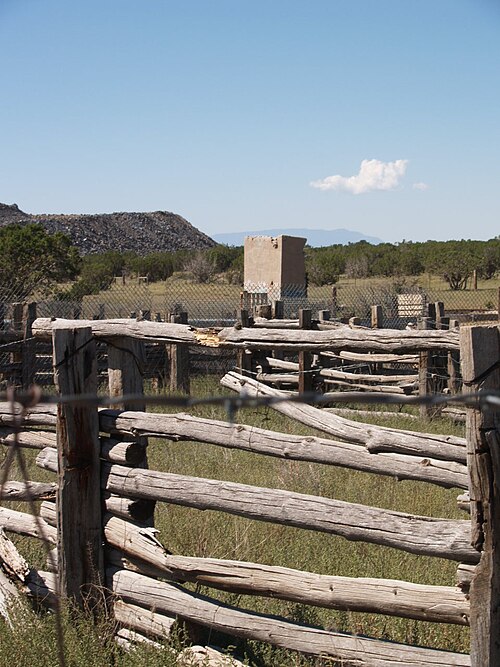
(480,356)
(27,491)
(153,332)
(442,604)
(39,415)
(363,652)
(126,358)
(375,438)
(181,426)
(143,620)
(26,524)
(28,439)
(416,534)
(80,554)
(357,340)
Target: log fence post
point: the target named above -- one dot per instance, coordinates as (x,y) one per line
(377,317)
(79,552)
(28,359)
(424,367)
(178,355)
(480,354)
(305,358)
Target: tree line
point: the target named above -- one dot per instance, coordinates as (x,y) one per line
(33,259)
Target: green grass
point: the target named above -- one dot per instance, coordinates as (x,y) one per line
(212,534)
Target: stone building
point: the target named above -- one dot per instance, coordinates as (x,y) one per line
(276,266)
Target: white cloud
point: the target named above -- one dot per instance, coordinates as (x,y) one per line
(420,186)
(373,175)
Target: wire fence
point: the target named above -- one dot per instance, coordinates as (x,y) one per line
(218,304)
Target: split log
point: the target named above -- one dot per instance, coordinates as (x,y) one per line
(373,358)
(142,620)
(375,438)
(8,595)
(27,524)
(357,340)
(43,587)
(278,378)
(362,651)
(441,604)
(182,426)
(366,377)
(27,491)
(403,390)
(465,575)
(152,332)
(416,534)
(11,560)
(39,415)
(28,439)
(119,451)
(130,509)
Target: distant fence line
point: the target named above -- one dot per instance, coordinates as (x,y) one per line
(217,304)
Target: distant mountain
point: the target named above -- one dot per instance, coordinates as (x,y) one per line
(158,231)
(315,237)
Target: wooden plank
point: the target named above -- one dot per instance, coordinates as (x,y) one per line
(416,534)
(361,651)
(480,354)
(180,426)
(305,359)
(441,604)
(375,438)
(80,554)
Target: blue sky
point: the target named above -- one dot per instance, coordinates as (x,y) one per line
(381,116)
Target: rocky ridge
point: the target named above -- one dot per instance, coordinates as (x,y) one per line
(143,233)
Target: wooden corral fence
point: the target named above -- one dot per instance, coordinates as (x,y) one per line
(104,490)
(329,360)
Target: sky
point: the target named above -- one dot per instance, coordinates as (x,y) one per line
(379,116)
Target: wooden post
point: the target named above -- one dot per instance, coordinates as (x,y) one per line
(17,356)
(324,315)
(377,317)
(178,355)
(278,309)
(125,370)
(480,352)
(28,355)
(263,310)
(474,279)
(498,304)
(79,551)
(438,313)
(424,367)
(334,301)
(305,375)
(243,318)
(144,315)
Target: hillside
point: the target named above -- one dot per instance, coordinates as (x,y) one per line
(158,231)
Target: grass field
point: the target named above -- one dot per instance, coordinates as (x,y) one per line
(191,532)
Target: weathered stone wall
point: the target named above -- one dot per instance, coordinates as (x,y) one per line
(274,263)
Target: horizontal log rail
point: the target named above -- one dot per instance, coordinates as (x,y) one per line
(440,604)
(182,426)
(152,332)
(415,534)
(27,491)
(362,651)
(26,524)
(355,340)
(28,439)
(375,438)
